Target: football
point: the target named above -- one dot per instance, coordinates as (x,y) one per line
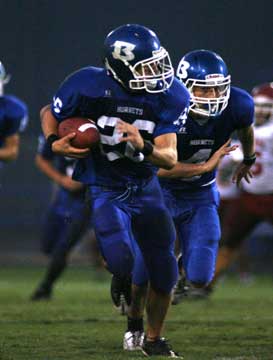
(87,134)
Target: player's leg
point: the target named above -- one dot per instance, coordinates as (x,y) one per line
(53,228)
(140,281)
(112,223)
(113,231)
(180,214)
(155,234)
(123,289)
(73,228)
(134,335)
(199,240)
(74,232)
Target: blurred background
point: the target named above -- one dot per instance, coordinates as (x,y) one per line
(42,41)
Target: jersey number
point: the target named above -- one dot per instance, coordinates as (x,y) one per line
(201,156)
(114,139)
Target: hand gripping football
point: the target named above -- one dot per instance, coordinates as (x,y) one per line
(87,134)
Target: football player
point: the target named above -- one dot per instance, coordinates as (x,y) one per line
(217,110)
(13,120)
(256,199)
(137,106)
(189,188)
(67,218)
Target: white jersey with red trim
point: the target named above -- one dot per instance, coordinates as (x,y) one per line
(262,182)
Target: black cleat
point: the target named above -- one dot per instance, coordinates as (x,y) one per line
(180,290)
(121,292)
(199,293)
(159,347)
(41,293)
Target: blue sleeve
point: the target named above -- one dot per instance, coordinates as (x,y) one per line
(66,100)
(71,97)
(245,109)
(44,150)
(17,115)
(174,111)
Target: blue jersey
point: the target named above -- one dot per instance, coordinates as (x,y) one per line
(92,93)
(63,164)
(199,139)
(13,117)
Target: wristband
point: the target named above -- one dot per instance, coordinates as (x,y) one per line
(50,140)
(147,149)
(249,160)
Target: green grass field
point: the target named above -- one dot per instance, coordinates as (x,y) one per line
(81,324)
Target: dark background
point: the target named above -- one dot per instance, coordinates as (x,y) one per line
(43,41)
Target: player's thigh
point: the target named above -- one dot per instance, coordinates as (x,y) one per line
(155,234)
(112,226)
(154,227)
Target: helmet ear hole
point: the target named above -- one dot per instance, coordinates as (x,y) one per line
(135,58)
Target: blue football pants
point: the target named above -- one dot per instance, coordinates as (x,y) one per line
(132,225)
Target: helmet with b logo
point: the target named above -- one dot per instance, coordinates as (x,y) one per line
(205,69)
(135,58)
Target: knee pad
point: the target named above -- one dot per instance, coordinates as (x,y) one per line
(201,265)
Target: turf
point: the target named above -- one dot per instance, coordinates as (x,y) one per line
(81,324)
